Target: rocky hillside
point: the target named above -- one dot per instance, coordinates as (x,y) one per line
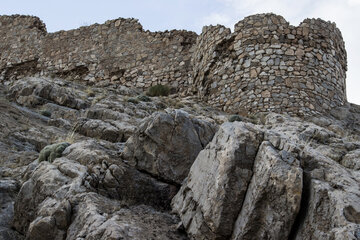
(108,162)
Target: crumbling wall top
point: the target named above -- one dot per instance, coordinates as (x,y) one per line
(25,21)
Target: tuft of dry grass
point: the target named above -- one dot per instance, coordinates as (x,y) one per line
(70,136)
(90,92)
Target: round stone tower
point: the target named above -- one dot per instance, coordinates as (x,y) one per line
(268,65)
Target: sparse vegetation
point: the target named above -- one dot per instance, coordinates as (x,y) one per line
(51,152)
(158,90)
(90,92)
(161,105)
(144,98)
(70,137)
(133,100)
(321,136)
(254,118)
(235,118)
(97,99)
(45,113)
(179,105)
(52,75)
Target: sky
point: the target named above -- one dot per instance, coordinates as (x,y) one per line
(159,15)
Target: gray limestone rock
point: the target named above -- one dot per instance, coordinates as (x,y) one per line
(99,129)
(244,183)
(8,189)
(273,197)
(352,160)
(115,179)
(210,199)
(330,208)
(65,199)
(296,188)
(97,217)
(33,91)
(166,144)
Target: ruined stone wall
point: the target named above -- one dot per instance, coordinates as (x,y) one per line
(264,65)
(19,44)
(269,65)
(118,51)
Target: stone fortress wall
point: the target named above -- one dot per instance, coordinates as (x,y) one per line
(118,51)
(264,65)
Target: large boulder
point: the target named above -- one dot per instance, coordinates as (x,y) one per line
(113,131)
(112,178)
(8,189)
(211,198)
(33,91)
(166,144)
(48,181)
(273,197)
(331,200)
(88,192)
(97,217)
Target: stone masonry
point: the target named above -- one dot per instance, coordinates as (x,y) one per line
(118,51)
(264,65)
(269,65)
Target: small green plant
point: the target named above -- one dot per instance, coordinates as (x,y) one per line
(133,100)
(158,90)
(236,118)
(144,98)
(45,113)
(51,152)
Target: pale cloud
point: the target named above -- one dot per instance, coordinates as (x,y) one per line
(354,2)
(345,13)
(286,8)
(216,18)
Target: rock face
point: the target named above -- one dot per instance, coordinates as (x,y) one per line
(97,160)
(65,199)
(166,144)
(8,190)
(84,190)
(217,180)
(134,170)
(273,197)
(277,180)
